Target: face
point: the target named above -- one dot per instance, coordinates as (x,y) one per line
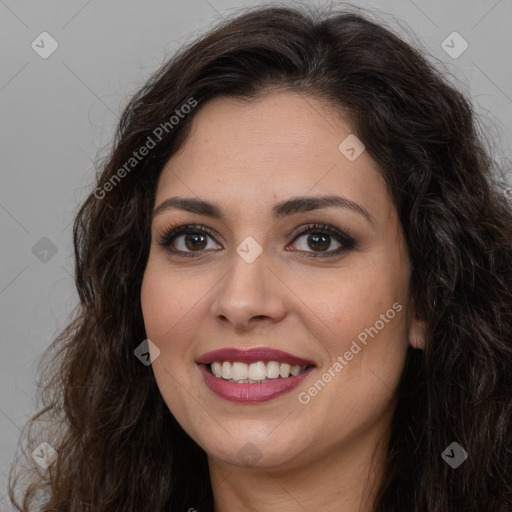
(260,264)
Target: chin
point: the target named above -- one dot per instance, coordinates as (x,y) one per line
(256,449)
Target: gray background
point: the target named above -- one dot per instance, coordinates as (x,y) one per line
(58,115)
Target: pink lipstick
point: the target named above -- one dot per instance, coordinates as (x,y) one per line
(254,375)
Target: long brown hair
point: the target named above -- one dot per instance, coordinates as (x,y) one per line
(119,447)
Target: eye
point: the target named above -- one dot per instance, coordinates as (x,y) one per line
(317,239)
(194,240)
(188,239)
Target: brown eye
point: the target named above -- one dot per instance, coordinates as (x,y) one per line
(318,242)
(322,240)
(188,239)
(195,241)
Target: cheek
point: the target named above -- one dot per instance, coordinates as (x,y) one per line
(166,306)
(355,300)
(360,317)
(363,332)
(166,302)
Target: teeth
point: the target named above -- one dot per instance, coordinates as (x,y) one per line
(295,370)
(284,370)
(255,372)
(272,370)
(239,371)
(217,369)
(226,370)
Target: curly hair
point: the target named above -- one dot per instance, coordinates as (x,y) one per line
(119,447)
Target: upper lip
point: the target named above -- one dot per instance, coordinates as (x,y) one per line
(252,355)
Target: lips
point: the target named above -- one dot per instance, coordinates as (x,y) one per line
(253,391)
(253,355)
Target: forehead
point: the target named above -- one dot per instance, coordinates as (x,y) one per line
(278,145)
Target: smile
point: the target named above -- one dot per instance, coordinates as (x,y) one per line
(254,375)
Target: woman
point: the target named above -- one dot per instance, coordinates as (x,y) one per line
(295,281)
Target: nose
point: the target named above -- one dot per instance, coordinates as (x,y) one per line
(250,295)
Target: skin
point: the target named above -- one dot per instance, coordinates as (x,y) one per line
(247,156)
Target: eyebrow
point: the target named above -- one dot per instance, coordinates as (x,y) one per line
(282,209)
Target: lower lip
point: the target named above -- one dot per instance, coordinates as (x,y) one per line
(251,393)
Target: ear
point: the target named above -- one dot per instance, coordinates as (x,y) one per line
(417,331)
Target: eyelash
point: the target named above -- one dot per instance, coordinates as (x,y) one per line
(347,242)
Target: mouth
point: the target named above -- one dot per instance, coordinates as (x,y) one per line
(255,375)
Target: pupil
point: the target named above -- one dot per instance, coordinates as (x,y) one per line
(321,241)
(195,241)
